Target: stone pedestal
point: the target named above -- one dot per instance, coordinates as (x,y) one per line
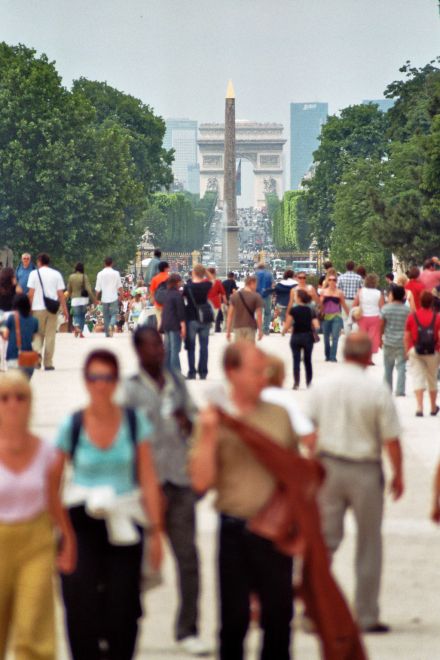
(230,254)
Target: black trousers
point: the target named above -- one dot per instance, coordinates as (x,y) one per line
(302,342)
(249,563)
(102,598)
(180,525)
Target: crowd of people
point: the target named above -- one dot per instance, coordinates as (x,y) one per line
(127,470)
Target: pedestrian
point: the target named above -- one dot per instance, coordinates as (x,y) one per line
(282,293)
(199,316)
(24,269)
(80,293)
(113,479)
(370,300)
(415,287)
(8,289)
(27,328)
(245,313)
(356,418)
(247,562)
(29,509)
(229,285)
(163,397)
(136,307)
(349,283)
(46,295)
(430,276)
(217,294)
(333,302)
(173,323)
(361,271)
(265,289)
(422,345)
(301,277)
(394,315)
(304,331)
(158,288)
(153,266)
(109,289)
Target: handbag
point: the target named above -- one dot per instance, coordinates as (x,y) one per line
(204,311)
(50,304)
(25,358)
(84,292)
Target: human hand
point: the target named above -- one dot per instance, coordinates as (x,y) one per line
(66,558)
(260,335)
(209,420)
(435,513)
(228,336)
(396,487)
(155,549)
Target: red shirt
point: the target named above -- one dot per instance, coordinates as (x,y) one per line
(425,318)
(215,294)
(416,288)
(158,279)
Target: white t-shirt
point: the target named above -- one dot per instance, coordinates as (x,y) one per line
(369,299)
(52,283)
(301,424)
(108,282)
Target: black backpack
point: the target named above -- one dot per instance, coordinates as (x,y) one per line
(160,293)
(426,340)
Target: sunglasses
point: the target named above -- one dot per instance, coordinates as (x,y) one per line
(301,277)
(332,279)
(18,396)
(101,378)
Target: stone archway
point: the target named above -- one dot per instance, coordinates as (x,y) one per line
(261,144)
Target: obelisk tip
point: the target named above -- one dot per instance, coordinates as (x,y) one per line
(230,94)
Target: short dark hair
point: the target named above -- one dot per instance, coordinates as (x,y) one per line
(390,276)
(163,265)
(398,292)
(145,331)
(304,296)
(426,299)
(414,273)
(104,356)
(232,357)
(231,275)
(360,270)
(173,281)
(79,267)
(428,263)
(43,258)
(288,274)
(327,264)
(350,265)
(108,261)
(22,305)
(158,253)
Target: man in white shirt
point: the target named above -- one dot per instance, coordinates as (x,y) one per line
(46,282)
(109,288)
(356,420)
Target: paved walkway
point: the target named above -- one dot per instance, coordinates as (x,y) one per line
(411,582)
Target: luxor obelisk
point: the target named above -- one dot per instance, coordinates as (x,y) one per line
(230,257)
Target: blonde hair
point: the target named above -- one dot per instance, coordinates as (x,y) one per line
(276,371)
(401,279)
(14,381)
(199,270)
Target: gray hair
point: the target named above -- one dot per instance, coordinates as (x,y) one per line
(357,347)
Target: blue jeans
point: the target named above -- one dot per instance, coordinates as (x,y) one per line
(172,343)
(267,314)
(79,316)
(331,329)
(395,357)
(110,311)
(195,328)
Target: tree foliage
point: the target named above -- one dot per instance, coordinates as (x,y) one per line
(290,227)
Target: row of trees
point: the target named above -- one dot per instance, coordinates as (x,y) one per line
(180,221)
(376,179)
(290,226)
(77,167)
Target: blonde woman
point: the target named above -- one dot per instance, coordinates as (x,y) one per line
(27,543)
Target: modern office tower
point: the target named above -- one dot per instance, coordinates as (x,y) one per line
(193,178)
(181,135)
(384,104)
(306,120)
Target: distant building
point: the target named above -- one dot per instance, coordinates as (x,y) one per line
(181,135)
(193,178)
(384,104)
(306,120)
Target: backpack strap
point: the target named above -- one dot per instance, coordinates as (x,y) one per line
(132,423)
(77,422)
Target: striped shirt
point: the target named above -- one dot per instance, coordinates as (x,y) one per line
(349,283)
(394,315)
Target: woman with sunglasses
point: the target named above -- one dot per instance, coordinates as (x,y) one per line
(301,277)
(332,303)
(28,506)
(109,450)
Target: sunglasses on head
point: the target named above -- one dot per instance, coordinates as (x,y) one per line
(101,378)
(18,396)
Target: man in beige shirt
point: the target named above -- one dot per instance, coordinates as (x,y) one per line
(245,313)
(220,460)
(356,420)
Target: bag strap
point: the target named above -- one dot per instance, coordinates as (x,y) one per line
(430,326)
(41,282)
(191,295)
(17,331)
(251,314)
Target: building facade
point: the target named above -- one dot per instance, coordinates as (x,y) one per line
(181,135)
(306,120)
(384,104)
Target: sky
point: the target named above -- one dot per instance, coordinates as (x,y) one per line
(178,55)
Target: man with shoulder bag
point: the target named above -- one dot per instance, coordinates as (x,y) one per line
(46,295)
(199,316)
(245,313)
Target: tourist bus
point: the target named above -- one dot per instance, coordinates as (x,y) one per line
(308,266)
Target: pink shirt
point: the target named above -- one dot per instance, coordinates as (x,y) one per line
(23,495)
(430,279)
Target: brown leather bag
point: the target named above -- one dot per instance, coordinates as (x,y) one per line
(26,359)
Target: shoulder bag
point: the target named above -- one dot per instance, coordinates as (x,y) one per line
(204,311)
(246,306)
(50,304)
(26,359)
(84,292)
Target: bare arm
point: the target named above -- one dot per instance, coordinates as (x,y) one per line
(231,312)
(31,294)
(394,451)
(151,500)
(62,300)
(203,460)
(407,341)
(287,324)
(66,559)
(381,301)
(344,304)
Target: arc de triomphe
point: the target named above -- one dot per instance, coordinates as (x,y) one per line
(261,144)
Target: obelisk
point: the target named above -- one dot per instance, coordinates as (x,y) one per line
(230,256)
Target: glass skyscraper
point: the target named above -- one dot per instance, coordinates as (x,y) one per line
(181,135)
(306,120)
(384,104)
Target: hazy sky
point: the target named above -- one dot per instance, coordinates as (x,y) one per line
(177,55)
